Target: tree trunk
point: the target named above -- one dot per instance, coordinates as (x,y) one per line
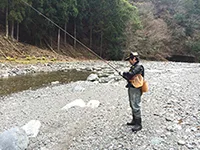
(12,29)
(58,39)
(51,41)
(90,36)
(6,21)
(101,45)
(74,33)
(65,34)
(17,31)
(91,28)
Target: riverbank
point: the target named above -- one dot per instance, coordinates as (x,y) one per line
(170,110)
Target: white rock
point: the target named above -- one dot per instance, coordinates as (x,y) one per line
(194,129)
(93,104)
(78,89)
(32,128)
(178,127)
(77,102)
(197,135)
(14,139)
(181,142)
(44,148)
(92,77)
(55,82)
(96,82)
(156,141)
(190,146)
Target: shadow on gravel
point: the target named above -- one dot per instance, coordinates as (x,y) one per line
(34,81)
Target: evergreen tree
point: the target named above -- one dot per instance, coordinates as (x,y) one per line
(16,14)
(4,5)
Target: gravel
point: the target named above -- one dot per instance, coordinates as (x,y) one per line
(170,110)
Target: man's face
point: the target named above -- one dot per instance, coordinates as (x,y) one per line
(132,61)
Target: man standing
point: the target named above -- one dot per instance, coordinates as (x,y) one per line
(134,93)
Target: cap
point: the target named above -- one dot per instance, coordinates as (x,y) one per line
(132,55)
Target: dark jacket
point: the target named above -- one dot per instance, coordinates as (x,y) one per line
(134,69)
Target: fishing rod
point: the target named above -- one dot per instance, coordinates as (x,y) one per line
(70,36)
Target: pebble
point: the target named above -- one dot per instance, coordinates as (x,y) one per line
(181,142)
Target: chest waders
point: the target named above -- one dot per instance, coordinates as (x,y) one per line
(134,95)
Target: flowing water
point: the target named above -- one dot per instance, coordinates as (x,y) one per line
(34,81)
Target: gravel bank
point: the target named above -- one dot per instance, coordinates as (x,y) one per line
(170,110)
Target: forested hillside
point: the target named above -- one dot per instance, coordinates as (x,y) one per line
(169,27)
(156,29)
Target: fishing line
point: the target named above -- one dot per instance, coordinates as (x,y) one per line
(69,35)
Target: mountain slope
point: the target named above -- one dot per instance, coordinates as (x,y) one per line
(13,51)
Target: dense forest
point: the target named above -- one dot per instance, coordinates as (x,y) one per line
(154,28)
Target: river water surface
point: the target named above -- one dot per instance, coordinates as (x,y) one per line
(34,81)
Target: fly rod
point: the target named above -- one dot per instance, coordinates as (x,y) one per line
(70,35)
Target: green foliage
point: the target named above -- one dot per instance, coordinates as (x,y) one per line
(73,10)
(3,3)
(190,18)
(101,21)
(17,11)
(194,46)
(180,18)
(111,19)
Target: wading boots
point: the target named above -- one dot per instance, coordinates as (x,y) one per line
(132,122)
(138,125)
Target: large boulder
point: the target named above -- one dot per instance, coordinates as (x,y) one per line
(14,139)
(92,77)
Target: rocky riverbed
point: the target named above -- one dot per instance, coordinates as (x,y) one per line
(170,110)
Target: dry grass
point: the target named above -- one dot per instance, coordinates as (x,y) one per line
(16,52)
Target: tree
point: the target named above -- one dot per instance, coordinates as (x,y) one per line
(119,13)
(73,12)
(4,5)
(17,13)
